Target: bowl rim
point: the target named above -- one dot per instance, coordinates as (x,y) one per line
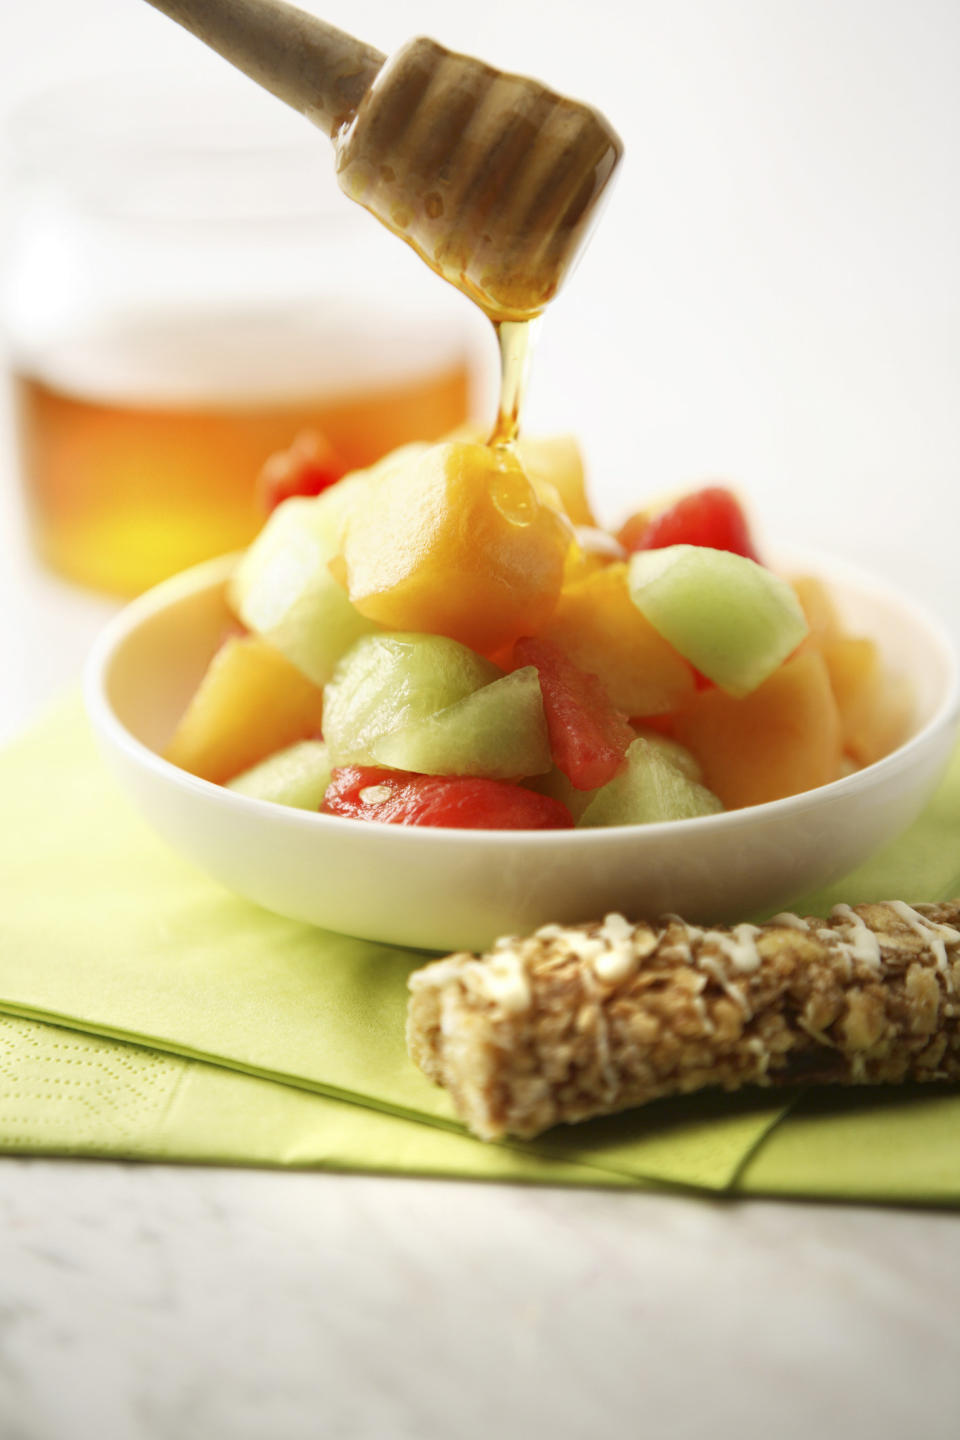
(214,572)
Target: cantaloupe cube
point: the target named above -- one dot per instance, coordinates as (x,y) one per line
(592,550)
(875,707)
(817,605)
(250,703)
(455,543)
(782,738)
(556,460)
(553,464)
(597,625)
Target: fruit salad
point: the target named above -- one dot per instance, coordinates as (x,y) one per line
(449,639)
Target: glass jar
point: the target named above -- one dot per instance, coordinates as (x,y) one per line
(186,290)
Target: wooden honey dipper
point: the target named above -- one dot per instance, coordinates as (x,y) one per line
(492,178)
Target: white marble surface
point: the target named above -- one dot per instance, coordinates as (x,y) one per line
(793,321)
(149,1304)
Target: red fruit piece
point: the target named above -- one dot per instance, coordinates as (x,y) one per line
(588,736)
(712,517)
(308,467)
(398,797)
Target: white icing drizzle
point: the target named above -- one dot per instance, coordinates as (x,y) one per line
(858,940)
(757,1047)
(616,928)
(699,1004)
(503,979)
(836,943)
(585,947)
(932,934)
(730,946)
(710,966)
(788,921)
(682,946)
(625,948)
(739,946)
(615,965)
(821,1037)
(603,1034)
(435,975)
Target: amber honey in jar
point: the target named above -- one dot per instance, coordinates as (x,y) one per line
(185,293)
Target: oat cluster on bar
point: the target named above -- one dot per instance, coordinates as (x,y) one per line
(573,1022)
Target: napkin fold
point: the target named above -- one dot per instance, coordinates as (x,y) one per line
(146,1012)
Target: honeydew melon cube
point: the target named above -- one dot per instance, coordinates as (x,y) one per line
(672,750)
(499,732)
(389,681)
(556,786)
(730,617)
(651,788)
(297,776)
(283,589)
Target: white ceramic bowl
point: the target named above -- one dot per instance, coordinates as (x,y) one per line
(453,889)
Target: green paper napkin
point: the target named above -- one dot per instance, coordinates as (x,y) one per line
(252,1031)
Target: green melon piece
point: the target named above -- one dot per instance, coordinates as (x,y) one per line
(499,732)
(651,788)
(297,776)
(678,755)
(388,681)
(730,617)
(556,785)
(283,590)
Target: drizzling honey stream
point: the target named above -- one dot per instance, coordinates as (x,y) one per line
(516,340)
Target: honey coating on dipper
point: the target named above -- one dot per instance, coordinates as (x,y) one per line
(492,178)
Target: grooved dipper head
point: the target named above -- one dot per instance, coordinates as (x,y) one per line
(492,178)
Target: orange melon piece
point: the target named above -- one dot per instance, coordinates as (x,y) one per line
(250,703)
(819,610)
(599,628)
(554,464)
(875,707)
(457,543)
(593,549)
(782,738)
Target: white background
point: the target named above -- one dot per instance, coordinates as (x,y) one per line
(773,294)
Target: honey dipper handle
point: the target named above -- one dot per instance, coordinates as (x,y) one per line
(319,70)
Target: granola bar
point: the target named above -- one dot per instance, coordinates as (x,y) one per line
(573,1022)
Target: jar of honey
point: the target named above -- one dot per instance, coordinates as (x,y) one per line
(186,291)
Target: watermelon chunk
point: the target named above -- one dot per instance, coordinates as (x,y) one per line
(395,797)
(712,517)
(588,736)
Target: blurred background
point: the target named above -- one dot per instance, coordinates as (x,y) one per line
(772,295)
